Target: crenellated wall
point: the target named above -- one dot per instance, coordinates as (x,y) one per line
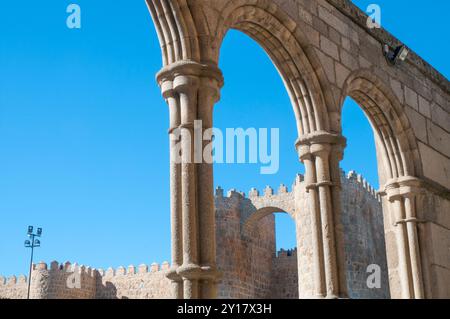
(132,283)
(246,252)
(65,281)
(246,241)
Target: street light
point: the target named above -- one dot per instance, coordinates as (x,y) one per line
(32,243)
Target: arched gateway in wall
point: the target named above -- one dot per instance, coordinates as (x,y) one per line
(324,52)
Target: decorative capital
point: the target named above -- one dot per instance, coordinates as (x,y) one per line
(321,137)
(405,186)
(190,68)
(319,141)
(320,149)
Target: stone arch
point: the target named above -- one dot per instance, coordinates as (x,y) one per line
(176,30)
(399,181)
(291,54)
(251,221)
(395,137)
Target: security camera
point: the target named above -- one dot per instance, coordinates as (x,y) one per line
(394,56)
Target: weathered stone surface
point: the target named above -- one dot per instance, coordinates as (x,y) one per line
(246,253)
(324,52)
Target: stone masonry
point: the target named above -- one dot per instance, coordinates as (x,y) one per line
(246,253)
(324,51)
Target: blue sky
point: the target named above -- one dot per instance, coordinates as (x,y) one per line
(83,127)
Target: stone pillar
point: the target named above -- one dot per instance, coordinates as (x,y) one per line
(317,152)
(191,89)
(209,94)
(337,154)
(175,188)
(316,227)
(403,194)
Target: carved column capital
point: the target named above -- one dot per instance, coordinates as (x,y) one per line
(402,187)
(319,142)
(190,69)
(321,137)
(322,149)
(186,84)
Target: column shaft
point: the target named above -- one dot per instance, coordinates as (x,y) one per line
(326,213)
(402,248)
(335,159)
(316,229)
(188,103)
(207,98)
(191,89)
(413,243)
(175,197)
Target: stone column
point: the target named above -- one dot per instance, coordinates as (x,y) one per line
(191,89)
(175,188)
(413,242)
(316,227)
(337,154)
(315,151)
(402,194)
(209,94)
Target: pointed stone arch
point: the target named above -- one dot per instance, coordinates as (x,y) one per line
(292,55)
(176,30)
(398,145)
(401,187)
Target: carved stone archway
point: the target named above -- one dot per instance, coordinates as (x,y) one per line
(399,163)
(319,48)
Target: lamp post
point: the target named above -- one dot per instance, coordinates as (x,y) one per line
(32,243)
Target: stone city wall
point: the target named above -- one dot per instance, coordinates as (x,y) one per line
(246,252)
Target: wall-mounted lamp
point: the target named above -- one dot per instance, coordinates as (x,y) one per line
(394,56)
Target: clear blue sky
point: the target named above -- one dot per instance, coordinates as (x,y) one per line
(83,127)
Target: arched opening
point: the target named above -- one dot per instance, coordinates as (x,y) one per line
(281,281)
(397,159)
(255,102)
(363,221)
(284,232)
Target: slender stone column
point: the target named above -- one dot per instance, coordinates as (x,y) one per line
(402,194)
(316,227)
(413,242)
(191,89)
(402,247)
(315,151)
(322,155)
(336,157)
(208,96)
(175,189)
(187,87)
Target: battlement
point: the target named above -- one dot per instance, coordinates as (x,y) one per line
(57,280)
(53,267)
(13,280)
(358,179)
(290,253)
(60,281)
(132,270)
(255,193)
(352,177)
